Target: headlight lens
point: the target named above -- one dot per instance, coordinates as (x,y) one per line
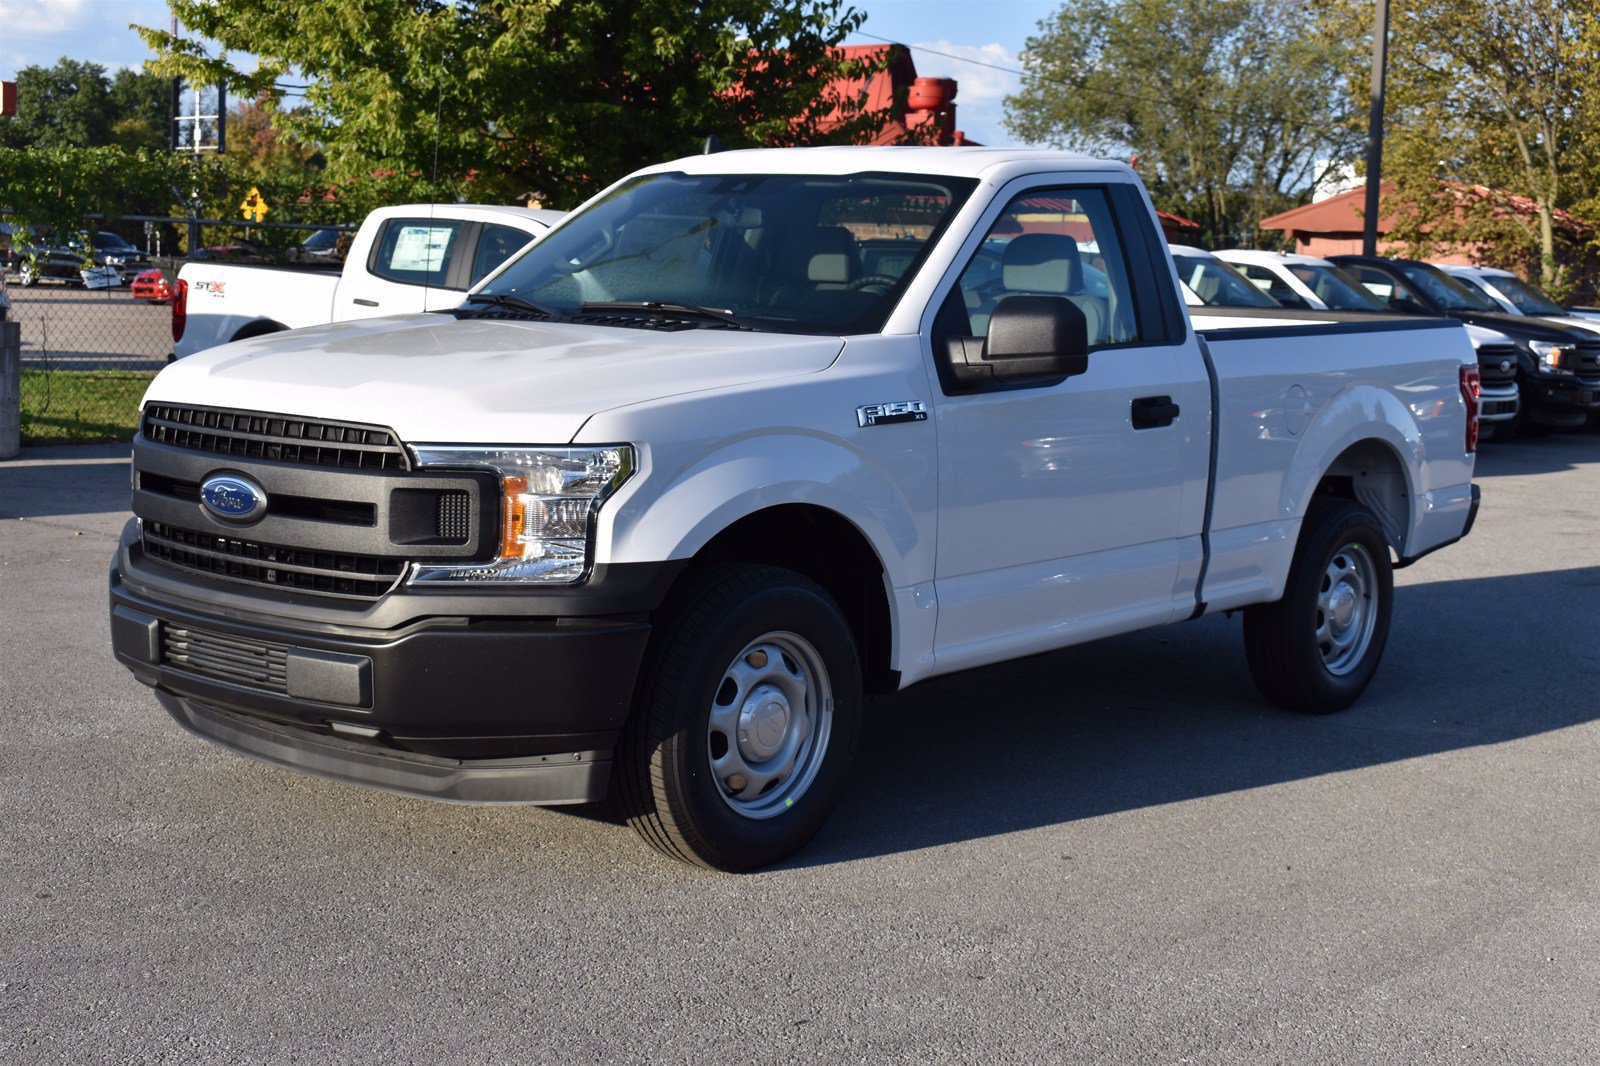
(1556,358)
(548,500)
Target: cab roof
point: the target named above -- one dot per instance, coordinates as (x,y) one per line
(993,164)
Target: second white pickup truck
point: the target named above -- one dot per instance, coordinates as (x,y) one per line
(750,436)
(403,259)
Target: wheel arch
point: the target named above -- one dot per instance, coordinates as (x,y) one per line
(831,550)
(257,328)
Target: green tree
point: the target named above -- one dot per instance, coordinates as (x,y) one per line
(68,104)
(1505,95)
(1228,104)
(140,102)
(550,97)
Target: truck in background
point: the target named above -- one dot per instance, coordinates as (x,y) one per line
(402,260)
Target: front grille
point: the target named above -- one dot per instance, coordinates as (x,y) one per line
(254,435)
(236,660)
(1490,356)
(1588,369)
(299,569)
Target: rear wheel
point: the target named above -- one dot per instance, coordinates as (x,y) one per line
(1316,649)
(745,721)
(26,276)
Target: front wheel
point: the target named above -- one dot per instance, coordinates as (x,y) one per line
(26,276)
(746,719)
(1316,649)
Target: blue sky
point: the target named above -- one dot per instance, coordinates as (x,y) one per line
(988,31)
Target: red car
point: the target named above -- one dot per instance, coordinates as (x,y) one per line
(152,285)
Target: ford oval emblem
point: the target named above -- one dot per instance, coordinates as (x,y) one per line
(235,498)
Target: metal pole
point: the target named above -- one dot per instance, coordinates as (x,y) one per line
(1380,64)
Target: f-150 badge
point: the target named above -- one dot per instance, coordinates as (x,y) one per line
(887,414)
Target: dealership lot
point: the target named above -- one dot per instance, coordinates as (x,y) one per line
(69,328)
(1114,851)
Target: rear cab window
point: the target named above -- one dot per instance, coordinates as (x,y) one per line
(416,251)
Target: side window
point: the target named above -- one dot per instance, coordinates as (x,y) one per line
(1054,242)
(415,251)
(1269,282)
(496,244)
(1376,282)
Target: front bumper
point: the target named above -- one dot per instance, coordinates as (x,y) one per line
(1559,402)
(475,707)
(1498,404)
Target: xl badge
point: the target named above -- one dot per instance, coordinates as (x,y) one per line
(235,498)
(887,414)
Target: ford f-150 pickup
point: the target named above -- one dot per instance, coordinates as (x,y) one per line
(750,436)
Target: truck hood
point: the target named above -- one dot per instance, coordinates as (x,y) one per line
(435,379)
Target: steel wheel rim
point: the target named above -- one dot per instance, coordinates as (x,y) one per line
(770,722)
(1347,609)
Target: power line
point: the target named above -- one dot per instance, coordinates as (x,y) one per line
(1079,86)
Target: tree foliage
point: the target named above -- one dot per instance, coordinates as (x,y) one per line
(554,98)
(1504,95)
(1228,104)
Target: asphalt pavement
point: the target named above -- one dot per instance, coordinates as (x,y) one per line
(67,327)
(1114,853)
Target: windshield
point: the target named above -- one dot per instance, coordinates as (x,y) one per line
(110,240)
(1529,299)
(1218,284)
(1445,291)
(1338,290)
(785,252)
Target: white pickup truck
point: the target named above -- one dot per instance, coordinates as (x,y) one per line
(403,259)
(749,436)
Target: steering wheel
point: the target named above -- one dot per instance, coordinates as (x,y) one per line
(888,281)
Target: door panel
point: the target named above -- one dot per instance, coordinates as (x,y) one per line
(414,265)
(1058,519)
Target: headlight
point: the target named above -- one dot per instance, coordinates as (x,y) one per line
(548,500)
(1555,358)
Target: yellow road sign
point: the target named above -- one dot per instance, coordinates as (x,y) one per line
(254,207)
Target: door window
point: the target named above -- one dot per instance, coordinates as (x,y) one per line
(1054,242)
(1269,282)
(416,251)
(496,244)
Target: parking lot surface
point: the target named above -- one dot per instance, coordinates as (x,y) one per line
(1112,853)
(66,327)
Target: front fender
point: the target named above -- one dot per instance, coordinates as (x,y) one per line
(679,507)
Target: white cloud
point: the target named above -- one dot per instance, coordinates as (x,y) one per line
(981,88)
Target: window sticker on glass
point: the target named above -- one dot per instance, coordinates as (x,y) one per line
(421,247)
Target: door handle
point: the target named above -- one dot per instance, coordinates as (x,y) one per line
(1149,412)
(365,303)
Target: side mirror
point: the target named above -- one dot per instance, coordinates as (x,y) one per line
(1031,338)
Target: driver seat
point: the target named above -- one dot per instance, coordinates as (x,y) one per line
(1049,264)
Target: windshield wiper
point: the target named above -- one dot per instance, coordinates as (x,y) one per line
(515,303)
(666,307)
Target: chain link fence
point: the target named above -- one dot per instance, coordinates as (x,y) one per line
(91,342)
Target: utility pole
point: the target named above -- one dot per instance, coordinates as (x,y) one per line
(1380,65)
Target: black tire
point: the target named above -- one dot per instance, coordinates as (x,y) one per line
(664,780)
(1281,642)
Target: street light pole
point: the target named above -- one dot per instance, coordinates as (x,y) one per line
(1380,64)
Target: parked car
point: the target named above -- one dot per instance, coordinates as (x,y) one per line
(152,285)
(113,250)
(1517,297)
(321,247)
(1558,367)
(1301,281)
(1305,281)
(658,501)
(1214,283)
(414,257)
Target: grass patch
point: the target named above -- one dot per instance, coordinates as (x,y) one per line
(81,406)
